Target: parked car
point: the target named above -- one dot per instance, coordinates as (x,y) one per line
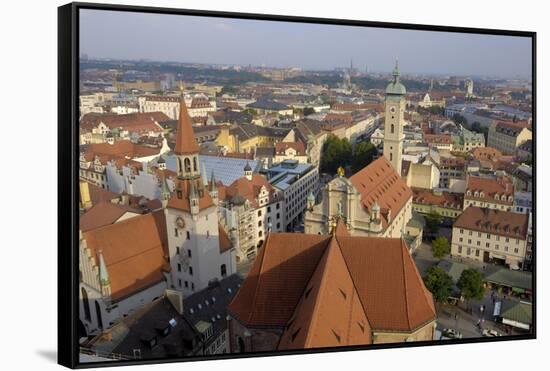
(452,333)
(490,333)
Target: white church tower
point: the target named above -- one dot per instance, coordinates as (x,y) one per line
(394,120)
(197,253)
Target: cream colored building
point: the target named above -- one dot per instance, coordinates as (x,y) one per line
(507,137)
(483,234)
(493,193)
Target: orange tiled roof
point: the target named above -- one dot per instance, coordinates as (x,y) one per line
(120,148)
(249,189)
(438,139)
(281,147)
(443,199)
(349,279)
(490,187)
(180,196)
(504,223)
(102,214)
(135,251)
(380,182)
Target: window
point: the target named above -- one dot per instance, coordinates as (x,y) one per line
(179,282)
(259,212)
(478,243)
(469,241)
(189,253)
(477,252)
(496,247)
(177,250)
(186,284)
(207,234)
(260,233)
(269,209)
(461,231)
(479,234)
(516,250)
(507,239)
(188,235)
(460,239)
(223,270)
(392,130)
(190,271)
(175,232)
(470,233)
(468,251)
(192,286)
(259,223)
(460,249)
(179,268)
(277,206)
(487,244)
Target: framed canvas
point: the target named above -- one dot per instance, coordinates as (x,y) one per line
(239,185)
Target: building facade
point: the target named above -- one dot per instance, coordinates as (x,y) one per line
(486,235)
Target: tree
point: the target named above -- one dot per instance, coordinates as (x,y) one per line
(362,155)
(308,111)
(440,247)
(470,284)
(439,283)
(433,221)
(336,152)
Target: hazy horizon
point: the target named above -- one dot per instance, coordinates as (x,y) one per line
(208,40)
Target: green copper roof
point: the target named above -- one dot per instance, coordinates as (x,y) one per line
(395,87)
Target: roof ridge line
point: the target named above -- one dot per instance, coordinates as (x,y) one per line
(319,293)
(354,285)
(403,250)
(266,244)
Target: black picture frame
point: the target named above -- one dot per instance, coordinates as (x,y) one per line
(68,211)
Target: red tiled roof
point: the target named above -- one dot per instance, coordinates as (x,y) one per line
(367,279)
(135,251)
(490,187)
(438,139)
(120,148)
(180,196)
(380,182)
(102,214)
(249,189)
(281,147)
(504,223)
(442,199)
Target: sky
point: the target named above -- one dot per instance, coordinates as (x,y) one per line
(193,39)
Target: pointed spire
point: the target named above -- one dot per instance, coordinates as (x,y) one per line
(164,189)
(103,274)
(185,137)
(204,175)
(213,186)
(396,71)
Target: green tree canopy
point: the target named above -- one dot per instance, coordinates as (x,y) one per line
(433,221)
(439,283)
(459,119)
(470,284)
(363,155)
(308,111)
(336,153)
(440,247)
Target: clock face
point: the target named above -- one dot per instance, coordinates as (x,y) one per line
(392,109)
(180,223)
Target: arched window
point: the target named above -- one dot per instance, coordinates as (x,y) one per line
(86,303)
(98,314)
(240,343)
(223,270)
(187,165)
(391,156)
(194,164)
(392,128)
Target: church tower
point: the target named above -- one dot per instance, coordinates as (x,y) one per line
(197,254)
(393,132)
